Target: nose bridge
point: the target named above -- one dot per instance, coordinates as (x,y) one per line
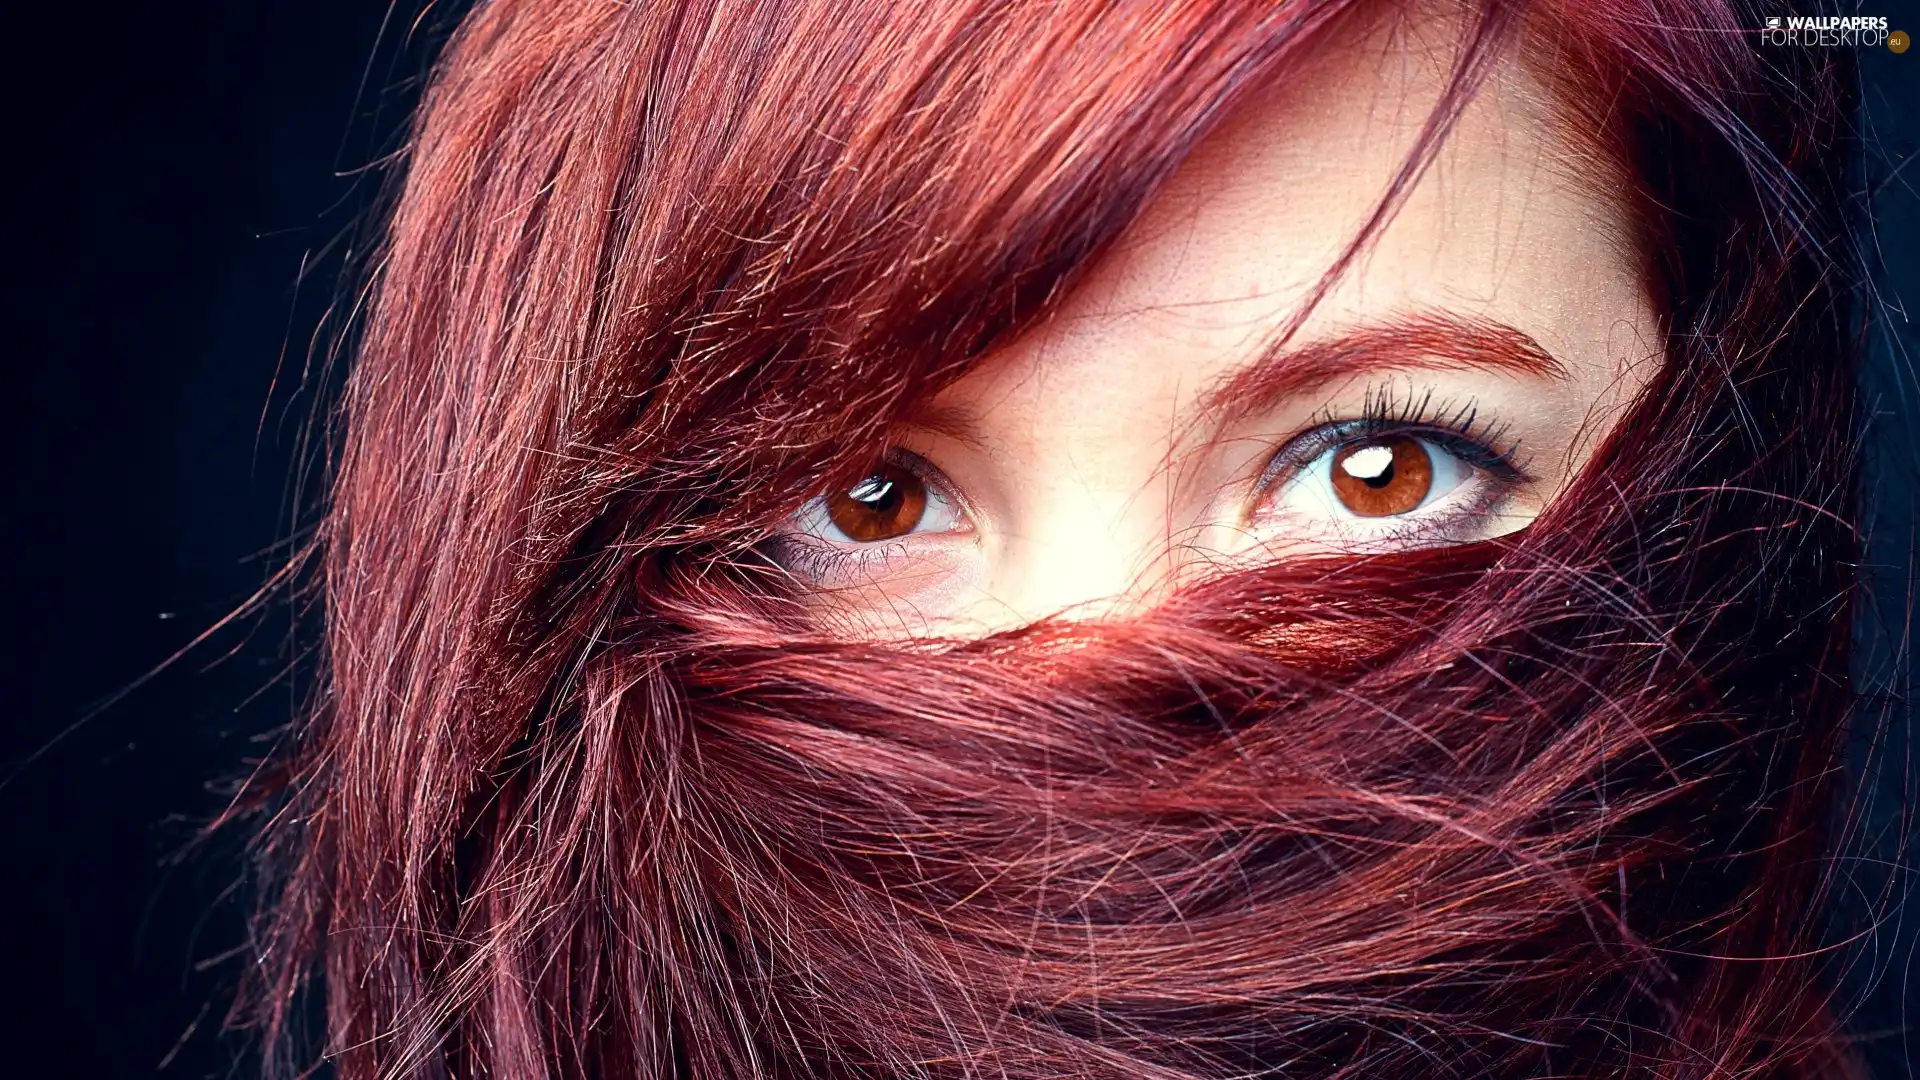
(1089,545)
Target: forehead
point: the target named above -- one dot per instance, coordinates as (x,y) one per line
(1515,222)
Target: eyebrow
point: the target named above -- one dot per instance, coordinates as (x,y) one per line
(1430,340)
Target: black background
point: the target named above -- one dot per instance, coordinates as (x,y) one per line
(183,181)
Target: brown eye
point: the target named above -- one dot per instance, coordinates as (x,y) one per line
(1382,477)
(890,502)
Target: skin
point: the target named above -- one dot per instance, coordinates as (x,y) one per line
(1117,449)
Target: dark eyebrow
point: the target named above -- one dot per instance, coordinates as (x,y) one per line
(956,422)
(1433,340)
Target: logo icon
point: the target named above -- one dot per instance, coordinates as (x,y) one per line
(1773,22)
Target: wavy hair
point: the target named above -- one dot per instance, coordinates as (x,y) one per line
(582,796)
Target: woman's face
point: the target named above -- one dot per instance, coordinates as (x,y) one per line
(1448,387)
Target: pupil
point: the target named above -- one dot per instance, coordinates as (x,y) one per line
(1383,477)
(875,493)
(888,503)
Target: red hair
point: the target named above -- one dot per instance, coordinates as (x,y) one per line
(582,796)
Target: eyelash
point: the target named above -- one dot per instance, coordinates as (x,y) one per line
(1453,424)
(821,562)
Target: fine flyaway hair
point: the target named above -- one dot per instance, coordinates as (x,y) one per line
(582,793)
